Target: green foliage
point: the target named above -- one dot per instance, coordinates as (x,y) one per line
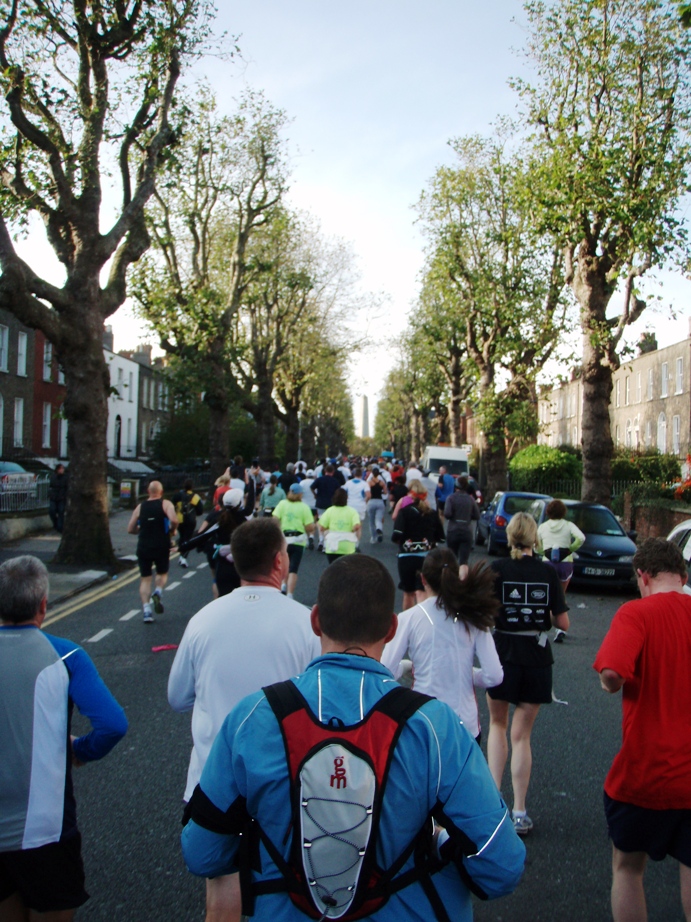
(540,463)
(652,466)
(187,436)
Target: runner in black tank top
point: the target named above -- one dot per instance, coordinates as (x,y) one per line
(156,521)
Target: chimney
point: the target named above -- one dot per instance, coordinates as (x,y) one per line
(108,339)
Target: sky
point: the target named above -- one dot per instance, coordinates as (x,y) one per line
(374,90)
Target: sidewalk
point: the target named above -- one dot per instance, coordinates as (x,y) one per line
(66,581)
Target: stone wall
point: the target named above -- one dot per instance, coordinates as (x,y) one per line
(652,521)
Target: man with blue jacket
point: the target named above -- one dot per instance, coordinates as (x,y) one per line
(436,771)
(41,678)
(445,487)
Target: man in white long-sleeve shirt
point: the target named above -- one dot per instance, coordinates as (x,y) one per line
(232,647)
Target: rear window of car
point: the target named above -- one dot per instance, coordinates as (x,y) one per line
(514,504)
(594,521)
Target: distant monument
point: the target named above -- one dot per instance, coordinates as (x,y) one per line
(364,419)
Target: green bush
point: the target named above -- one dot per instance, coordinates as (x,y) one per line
(542,464)
(650,465)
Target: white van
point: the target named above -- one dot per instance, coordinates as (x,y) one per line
(454,459)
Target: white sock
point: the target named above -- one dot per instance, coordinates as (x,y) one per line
(517,814)
(157,591)
(289,595)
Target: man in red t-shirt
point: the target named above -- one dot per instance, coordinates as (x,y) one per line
(647,654)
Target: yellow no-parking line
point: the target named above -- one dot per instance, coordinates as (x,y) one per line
(84,599)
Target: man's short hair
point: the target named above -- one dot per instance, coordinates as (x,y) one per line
(254,546)
(355,600)
(23,586)
(657,555)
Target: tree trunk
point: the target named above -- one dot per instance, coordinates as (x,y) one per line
(596,438)
(265,419)
(494,461)
(292,422)
(86,536)
(593,290)
(217,398)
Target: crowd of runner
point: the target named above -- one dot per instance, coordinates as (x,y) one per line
(461,628)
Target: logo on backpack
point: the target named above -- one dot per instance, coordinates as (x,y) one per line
(338,779)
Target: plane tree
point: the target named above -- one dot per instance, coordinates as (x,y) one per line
(495,284)
(87,94)
(610,105)
(223,186)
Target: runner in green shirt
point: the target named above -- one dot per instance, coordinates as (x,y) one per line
(342,524)
(297,521)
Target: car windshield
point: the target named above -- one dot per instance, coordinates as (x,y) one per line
(594,521)
(9,467)
(514,504)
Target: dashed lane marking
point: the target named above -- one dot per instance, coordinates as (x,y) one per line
(86,598)
(173,586)
(190,574)
(100,635)
(200,566)
(130,614)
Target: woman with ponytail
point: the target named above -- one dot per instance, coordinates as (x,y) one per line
(446,631)
(532,600)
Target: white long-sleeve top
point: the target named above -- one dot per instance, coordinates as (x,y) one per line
(443,653)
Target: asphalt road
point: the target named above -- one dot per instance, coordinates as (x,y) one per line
(130,803)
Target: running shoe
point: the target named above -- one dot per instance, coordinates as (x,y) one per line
(380,535)
(148,617)
(321,548)
(183,561)
(311,543)
(522,824)
(158,603)
(559,635)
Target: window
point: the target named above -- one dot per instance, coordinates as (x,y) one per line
(648,433)
(121,385)
(45,429)
(650,384)
(636,433)
(47,360)
(144,430)
(617,393)
(4,347)
(129,448)
(662,432)
(18,422)
(627,390)
(676,435)
(628,435)
(21,354)
(574,435)
(617,436)
(61,376)
(664,380)
(639,391)
(62,436)
(145,391)
(679,377)
(131,388)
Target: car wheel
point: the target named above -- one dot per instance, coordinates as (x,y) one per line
(479,537)
(492,548)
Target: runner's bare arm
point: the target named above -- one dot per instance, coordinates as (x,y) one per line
(611,681)
(133,524)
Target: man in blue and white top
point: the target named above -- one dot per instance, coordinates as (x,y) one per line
(41,678)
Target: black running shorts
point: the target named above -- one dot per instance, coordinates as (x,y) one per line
(524,684)
(48,879)
(150,559)
(658,833)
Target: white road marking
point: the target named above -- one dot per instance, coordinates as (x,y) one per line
(200,566)
(130,614)
(100,635)
(191,573)
(173,586)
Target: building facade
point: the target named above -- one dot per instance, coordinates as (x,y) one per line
(650,405)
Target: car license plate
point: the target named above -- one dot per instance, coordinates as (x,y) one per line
(598,571)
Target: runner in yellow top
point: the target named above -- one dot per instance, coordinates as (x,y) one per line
(297,521)
(340,527)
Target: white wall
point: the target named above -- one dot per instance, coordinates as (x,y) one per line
(123,402)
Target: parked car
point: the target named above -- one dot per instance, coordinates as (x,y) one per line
(681,536)
(18,487)
(494,519)
(607,553)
